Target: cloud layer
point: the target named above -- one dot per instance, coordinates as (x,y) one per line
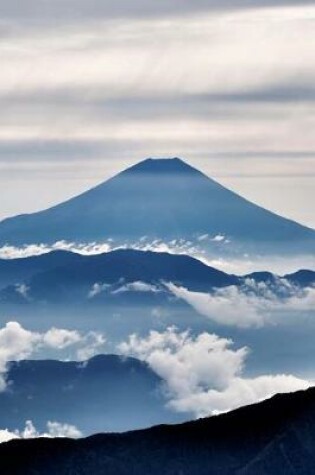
(54,429)
(204,373)
(250,305)
(17,343)
(219,259)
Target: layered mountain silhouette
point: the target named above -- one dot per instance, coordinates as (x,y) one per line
(159,198)
(274,437)
(107,392)
(119,276)
(123,264)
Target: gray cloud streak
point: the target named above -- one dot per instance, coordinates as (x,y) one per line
(34,12)
(88,88)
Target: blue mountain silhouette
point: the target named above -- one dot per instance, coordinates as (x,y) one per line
(107,391)
(66,276)
(159,198)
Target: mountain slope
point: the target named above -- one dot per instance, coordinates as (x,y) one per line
(274,437)
(23,268)
(163,198)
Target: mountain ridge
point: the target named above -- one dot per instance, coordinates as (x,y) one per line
(60,275)
(267,438)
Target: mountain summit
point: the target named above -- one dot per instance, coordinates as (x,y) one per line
(158,198)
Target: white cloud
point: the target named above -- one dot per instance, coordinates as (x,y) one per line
(136,286)
(204,374)
(60,338)
(17,343)
(239,392)
(227,306)
(14,252)
(6,435)
(22,289)
(246,264)
(218,238)
(230,264)
(93,343)
(57,429)
(97,289)
(54,429)
(251,305)
(203,237)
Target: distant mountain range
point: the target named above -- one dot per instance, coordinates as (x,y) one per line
(274,437)
(165,199)
(65,276)
(107,392)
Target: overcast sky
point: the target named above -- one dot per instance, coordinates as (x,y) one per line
(88,87)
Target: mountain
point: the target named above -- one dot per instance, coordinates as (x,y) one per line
(122,274)
(127,264)
(23,268)
(303,277)
(159,198)
(107,392)
(274,437)
(60,276)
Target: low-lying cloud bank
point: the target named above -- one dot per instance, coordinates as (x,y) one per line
(17,343)
(204,374)
(54,429)
(252,305)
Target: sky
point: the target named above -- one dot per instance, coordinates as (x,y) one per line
(88,88)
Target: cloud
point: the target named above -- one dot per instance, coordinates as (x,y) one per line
(36,249)
(247,264)
(97,289)
(204,373)
(54,429)
(218,238)
(238,79)
(137,286)
(17,343)
(226,306)
(92,343)
(240,392)
(60,338)
(208,249)
(60,14)
(22,289)
(251,305)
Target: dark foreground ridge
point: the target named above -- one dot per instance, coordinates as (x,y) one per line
(275,437)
